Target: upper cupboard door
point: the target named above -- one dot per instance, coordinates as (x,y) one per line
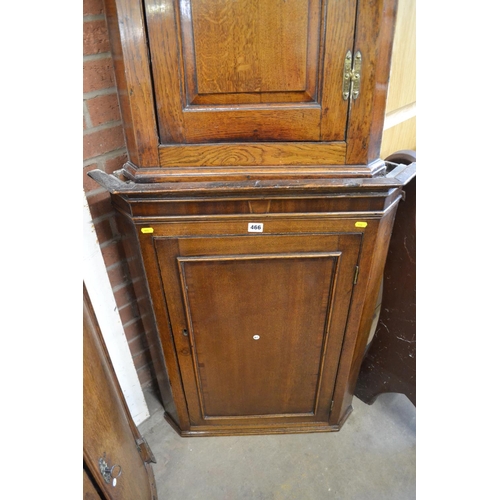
(250,70)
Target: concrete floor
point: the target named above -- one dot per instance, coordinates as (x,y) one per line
(371,458)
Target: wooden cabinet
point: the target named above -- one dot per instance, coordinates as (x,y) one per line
(257,320)
(218,89)
(254,201)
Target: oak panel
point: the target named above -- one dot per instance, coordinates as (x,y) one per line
(285,277)
(277,373)
(250,154)
(231,41)
(249,71)
(272,123)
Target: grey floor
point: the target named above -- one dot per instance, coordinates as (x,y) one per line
(371,458)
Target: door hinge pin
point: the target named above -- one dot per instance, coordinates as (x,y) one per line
(351,81)
(356,272)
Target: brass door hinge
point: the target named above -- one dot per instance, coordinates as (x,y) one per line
(352,75)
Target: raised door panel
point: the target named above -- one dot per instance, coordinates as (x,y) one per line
(258,323)
(231,59)
(249,70)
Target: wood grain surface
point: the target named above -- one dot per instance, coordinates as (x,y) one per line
(293,291)
(108,429)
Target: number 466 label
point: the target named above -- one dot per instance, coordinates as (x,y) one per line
(255,227)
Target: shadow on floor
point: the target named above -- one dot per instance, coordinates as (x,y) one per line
(371,458)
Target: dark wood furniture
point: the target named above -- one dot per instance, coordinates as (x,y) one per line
(255,201)
(116,459)
(390,361)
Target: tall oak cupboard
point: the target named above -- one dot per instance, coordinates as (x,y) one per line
(254,201)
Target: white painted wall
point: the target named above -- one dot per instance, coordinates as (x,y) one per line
(104,304)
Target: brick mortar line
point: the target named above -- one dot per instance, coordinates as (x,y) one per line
(103,126)
(122,285)
(101,159)
(139,353)
(107,243)
(94,192)
(134,301)
(131,322)
(101,218)
(101,92)
(104,157)
(128,304)
(111,267)
(97,57)
(141,335)
(86,114)
(143,367)
(94,17)
(142,297)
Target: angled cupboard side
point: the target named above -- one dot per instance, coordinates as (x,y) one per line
(255,197)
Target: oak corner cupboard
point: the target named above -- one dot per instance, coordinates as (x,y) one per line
(255,200)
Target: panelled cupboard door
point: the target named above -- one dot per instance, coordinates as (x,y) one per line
(258,323)
(107,432)
(249,70)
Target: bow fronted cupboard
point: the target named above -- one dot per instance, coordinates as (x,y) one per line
(254,201)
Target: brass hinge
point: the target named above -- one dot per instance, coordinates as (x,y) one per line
(352,75)
(356,272)
(331,406)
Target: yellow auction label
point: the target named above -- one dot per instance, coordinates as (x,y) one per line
(361,224)
(147,230)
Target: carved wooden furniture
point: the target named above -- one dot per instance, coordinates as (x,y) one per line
(254,201)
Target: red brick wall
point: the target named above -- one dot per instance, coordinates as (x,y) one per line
(104,148)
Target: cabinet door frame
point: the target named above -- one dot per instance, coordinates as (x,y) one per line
(316,112)
(346,249)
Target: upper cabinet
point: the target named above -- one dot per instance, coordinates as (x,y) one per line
(249,70)
(252,84)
